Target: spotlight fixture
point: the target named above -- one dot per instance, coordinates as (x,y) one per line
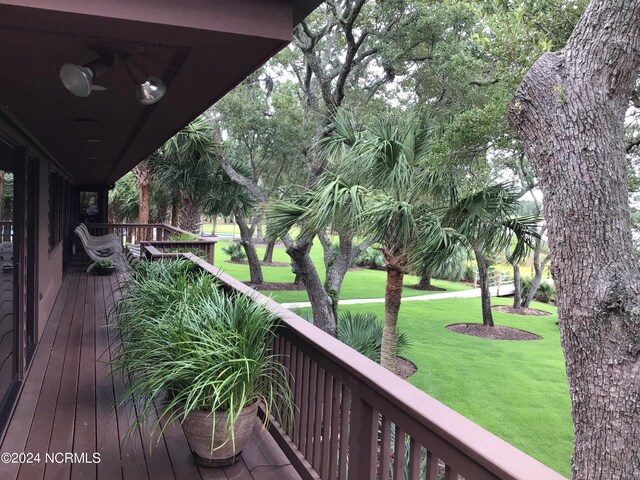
(78,79)
(149,89)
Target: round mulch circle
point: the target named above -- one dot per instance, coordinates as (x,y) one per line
(497,332)
(405,368)
(521,311)
(427,288)
(280,286)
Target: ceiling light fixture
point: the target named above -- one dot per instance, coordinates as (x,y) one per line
(149,89)
(78,79)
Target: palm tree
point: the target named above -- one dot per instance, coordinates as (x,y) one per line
(124,200)
(486,221)
(379,188)
(183,165)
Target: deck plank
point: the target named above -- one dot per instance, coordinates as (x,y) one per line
(108,443)
(67,404)
(17,432)
(63,431)
(40,432)
(84,440)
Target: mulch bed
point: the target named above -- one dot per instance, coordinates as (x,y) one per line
(280,286)
(497,332)
(426,288)
(405,368)
(521,311)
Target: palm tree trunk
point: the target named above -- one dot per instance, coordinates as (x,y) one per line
(268,252)
(246,240)
(485,293)
(425,281)
(175,213)
(517,287)
(392,298)
(190,215)
(143,176)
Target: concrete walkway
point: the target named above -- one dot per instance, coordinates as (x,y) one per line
(495,291)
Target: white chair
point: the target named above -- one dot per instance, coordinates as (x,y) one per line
(112,252)
(100,241)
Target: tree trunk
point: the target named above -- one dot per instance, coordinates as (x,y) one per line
(483,279)
(190,215)
(321,305)
(175,213)
(268,252)
(517,286)
(246,240)
(425,281)
(392,298)
(538,267)
(143,176)
(570,113)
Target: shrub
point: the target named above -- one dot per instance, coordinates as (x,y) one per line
(182,334)
(363,332)
(235,251)
(469,274)
(104,264)
(369,258)
(183,237)
(546,291)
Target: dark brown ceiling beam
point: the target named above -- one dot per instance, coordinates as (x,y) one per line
(259,18)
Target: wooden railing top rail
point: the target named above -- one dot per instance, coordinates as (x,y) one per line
(165,226)
(494,454)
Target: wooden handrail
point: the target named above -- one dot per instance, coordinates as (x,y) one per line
(158,235)
(371,398)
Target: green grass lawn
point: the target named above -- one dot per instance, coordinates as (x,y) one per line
(516,389)
(357,284)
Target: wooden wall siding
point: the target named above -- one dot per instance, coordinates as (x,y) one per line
(354,419)
(67,405)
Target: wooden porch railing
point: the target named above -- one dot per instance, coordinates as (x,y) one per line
(157,235)
(354,419)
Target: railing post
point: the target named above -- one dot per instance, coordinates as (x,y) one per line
(210,252)
(363,439)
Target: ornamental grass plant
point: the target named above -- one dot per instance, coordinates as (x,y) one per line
(187,342)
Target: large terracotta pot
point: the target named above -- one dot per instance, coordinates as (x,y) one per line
(198,426)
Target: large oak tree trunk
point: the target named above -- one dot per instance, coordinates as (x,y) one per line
(321,305)
(246,240)
(392,299)
(483,279)
(570,111)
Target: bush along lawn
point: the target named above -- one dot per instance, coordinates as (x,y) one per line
(360,283)
(516,389)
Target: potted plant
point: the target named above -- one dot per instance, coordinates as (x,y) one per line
(104,267)
(205,352)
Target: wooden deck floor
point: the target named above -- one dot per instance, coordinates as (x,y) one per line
(67,406)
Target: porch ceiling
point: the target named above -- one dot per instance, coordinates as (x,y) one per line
(200,48)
